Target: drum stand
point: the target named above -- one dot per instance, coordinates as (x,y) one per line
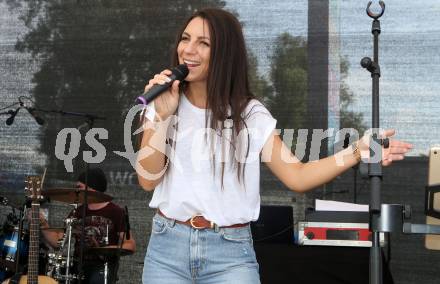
(69,223)
(65,243)
(106,240)
(20,229)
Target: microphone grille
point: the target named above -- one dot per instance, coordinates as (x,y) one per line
(181,71)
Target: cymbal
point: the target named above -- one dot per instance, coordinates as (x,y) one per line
(61,230)
(75,195)
(108,251)
(54,229)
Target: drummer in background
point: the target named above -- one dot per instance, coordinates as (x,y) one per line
(99,216)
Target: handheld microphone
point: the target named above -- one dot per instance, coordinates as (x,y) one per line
(38,119)
(10,119)
(178,73)
(127,223)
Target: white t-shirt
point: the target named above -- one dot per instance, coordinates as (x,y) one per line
(190,187)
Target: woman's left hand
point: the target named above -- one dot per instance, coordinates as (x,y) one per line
(396,150)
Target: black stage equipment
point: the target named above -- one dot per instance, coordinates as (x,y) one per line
(274,225)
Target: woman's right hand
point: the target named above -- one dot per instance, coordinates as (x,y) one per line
(166,103)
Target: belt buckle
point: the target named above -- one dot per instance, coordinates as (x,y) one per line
(192,222)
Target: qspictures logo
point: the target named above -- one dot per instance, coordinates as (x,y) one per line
(205,143)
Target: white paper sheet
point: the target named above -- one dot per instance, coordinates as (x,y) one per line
(330,205)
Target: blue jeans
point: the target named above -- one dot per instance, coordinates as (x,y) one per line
(179,254)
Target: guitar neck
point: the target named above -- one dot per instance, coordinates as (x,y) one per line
(34,241)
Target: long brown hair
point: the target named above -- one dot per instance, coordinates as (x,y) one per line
(227,83)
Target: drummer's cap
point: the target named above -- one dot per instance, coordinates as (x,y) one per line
(95,179)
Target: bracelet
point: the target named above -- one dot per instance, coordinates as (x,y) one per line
(356,152)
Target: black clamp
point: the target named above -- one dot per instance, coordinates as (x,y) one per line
(371,66)
(364,168)
(385,143)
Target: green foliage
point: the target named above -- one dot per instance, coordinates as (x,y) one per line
(348,119)
(289,78)
(288,98)
(97,56)
(258,84)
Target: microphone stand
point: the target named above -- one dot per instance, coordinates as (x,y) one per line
(21,104)
(355,171)
(375,168)
(12,113)
(9,112)
(355,167)
(90,119)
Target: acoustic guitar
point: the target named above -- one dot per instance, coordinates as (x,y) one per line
(33,190)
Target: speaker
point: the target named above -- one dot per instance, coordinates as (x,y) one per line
(274,225)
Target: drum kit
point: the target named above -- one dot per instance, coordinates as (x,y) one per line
(62,262)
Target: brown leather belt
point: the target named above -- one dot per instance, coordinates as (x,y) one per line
(199,222)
